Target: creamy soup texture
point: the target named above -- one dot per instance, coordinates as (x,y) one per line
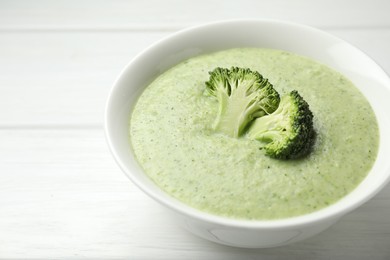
(171,135)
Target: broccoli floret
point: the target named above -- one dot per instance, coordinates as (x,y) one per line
(243,95)
(288,132)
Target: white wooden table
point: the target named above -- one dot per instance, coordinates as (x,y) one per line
(61,194)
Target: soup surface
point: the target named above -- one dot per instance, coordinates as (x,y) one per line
(170,132)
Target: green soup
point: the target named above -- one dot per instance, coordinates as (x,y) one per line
(170,132)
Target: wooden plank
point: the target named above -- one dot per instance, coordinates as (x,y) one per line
(62,197)
(155,14)
(63,78)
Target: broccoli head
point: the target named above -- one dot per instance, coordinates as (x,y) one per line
(288,132)
(242,95)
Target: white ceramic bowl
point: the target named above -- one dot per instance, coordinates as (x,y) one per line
(358,67)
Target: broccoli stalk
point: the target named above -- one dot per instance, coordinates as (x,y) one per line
(243,95)
(288,132)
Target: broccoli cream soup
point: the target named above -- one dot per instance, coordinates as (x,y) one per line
(173,139)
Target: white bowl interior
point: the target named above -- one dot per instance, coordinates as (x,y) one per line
(358,67)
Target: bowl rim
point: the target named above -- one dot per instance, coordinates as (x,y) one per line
(327,213)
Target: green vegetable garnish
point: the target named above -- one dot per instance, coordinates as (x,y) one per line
(288,132)
(243,95)
(249,103)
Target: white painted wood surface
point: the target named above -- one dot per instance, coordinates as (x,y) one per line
(61,194)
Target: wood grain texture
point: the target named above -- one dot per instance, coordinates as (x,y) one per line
(62,195)
(157,15)
(62,78)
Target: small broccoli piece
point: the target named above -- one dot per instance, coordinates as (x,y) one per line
(243,95)
(288,132)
